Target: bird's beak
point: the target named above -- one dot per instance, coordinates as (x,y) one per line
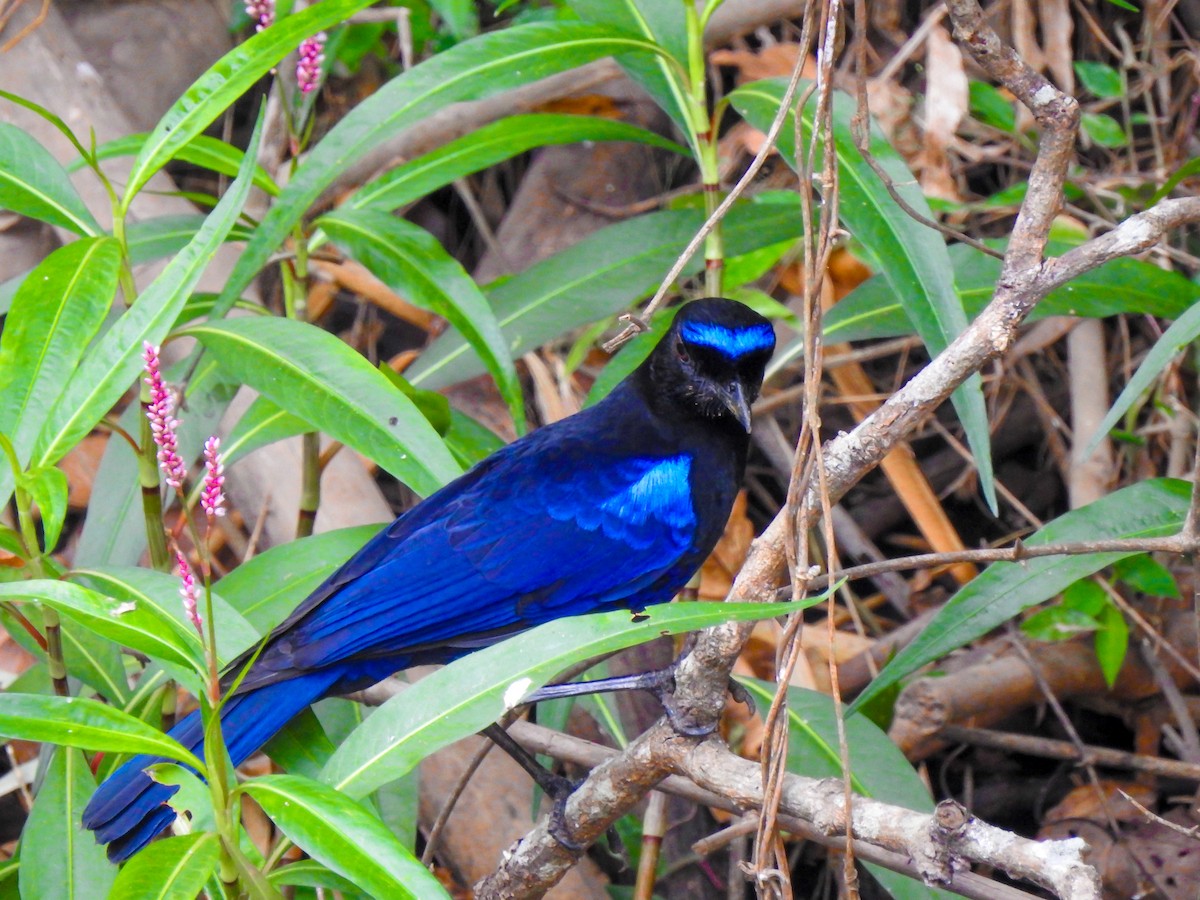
(736,402)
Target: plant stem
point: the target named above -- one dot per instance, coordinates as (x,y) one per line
(152,508)
(706,151)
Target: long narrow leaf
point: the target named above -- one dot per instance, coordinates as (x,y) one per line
(664,77)
(489,145)
(315,376)
(603,274)
(1179,335)
(877,767)
(54,316)
(912,257)
(269,586)
(113,364)
(33,184)
(463,697)
(411,262)
(59,860)
(87,724)
(1149,509)
(226,80)
(344,836)
(142,628)
(172,869)
(478,68)
(160,592)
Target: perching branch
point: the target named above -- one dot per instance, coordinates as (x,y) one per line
(616,785)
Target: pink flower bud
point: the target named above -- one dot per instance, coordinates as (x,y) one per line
(187,590)
(212,499)
(308,67)
(162,423)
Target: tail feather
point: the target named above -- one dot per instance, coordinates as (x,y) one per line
(129,809)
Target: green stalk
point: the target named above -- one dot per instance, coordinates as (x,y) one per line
(706,148)
(296,286)
(152,507)
(33,555)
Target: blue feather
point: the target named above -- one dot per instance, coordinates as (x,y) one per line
(615,506)
(734,343)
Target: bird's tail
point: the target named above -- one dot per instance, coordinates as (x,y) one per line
(130,808)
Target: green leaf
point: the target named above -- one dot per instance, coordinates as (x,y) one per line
(433,406)
(910,256)
(663,77)
(47,486)
(1112,642)
(991,107)
(1124,4)
(877,767)
(55,314)
(87,724)
(1102,80)
(315,376)
(410,261)
(1058,623)
(492,144)
(268,587)
(1087,597)
(463,697)
(204,151)
(114,362)
(1187,170)
(88,657)
(301,747)
(601,275)
(114,532)
(32,183)
(475,69)
(1104,130)
(144,627)
(1149,509)
(160,592)
(1145,574)
(94,661)
(1179,335)
(172,869)
(226,80)
(262,423)
(342,835)
(460,16)
(62,861)
(1119,286)
(310,873)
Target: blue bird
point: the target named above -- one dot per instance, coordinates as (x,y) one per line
(616,506)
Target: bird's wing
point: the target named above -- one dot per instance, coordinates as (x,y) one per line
(525,538)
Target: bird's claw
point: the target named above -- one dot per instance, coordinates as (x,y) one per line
(557,824)
(684,722)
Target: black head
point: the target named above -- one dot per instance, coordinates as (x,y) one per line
(710,362)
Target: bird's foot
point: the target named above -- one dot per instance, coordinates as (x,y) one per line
(684,721)
(559,789)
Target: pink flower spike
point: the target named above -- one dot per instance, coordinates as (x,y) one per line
(308,67)
(162,423)
(262,11)
(213,497)
(187,590)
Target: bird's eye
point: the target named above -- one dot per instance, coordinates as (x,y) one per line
(681,352)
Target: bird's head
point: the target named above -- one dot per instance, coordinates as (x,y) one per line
(710,363)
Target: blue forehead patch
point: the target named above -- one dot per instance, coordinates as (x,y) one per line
(731,342)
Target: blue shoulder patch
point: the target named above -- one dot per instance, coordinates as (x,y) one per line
(731,342)
(662,491)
